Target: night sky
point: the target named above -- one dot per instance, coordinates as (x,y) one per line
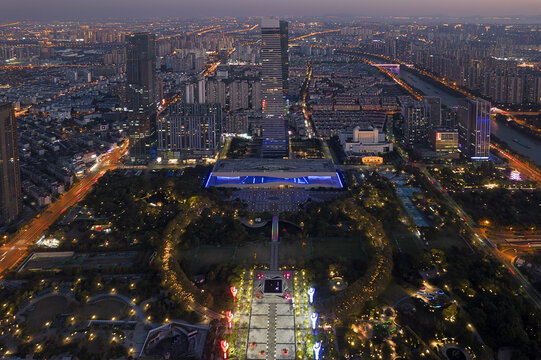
(86,9)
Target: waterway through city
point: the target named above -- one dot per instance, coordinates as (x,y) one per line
(515,139)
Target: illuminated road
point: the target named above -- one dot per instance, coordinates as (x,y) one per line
(17,248)
(359,56)
(313,34)
(243,30)
(514,162)
(215,65)
(305,109)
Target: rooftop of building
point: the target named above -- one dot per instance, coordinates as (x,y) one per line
(274,165)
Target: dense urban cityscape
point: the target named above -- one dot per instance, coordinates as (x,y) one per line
(271,187)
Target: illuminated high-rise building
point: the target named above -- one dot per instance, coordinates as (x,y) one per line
(416,123)
(474,128)
(433,110)
(141,93)
(189,130)
(274,86)
(10,181)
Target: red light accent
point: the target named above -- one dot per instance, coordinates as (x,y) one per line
(234,291)
(229,316)
(225,346)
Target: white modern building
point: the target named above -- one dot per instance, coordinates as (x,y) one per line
(363,140)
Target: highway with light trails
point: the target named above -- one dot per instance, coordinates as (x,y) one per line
(18,247)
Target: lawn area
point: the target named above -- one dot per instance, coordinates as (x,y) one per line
(349,248)
(394,293)
(205,256)
(447,238)
(105,309)
(290,252)
(45,310)
(406,243)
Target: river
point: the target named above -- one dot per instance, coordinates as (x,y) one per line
(526,145)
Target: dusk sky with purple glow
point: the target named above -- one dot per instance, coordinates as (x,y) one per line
(84,9)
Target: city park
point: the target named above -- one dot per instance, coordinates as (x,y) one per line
(335,279)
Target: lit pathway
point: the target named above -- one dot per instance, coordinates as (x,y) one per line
(271,334)
(274,244)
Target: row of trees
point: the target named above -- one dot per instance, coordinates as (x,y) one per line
(520,209)
(378,272)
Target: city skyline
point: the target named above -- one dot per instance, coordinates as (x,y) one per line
(81,10)
(278,187)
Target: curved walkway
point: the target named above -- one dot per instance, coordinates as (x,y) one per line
(32,301)
(126,300)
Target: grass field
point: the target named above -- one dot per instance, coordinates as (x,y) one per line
(45,310)
(448,238)
(406,243)
(290,252)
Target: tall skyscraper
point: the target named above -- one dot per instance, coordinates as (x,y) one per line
(474,128)
(416,126)
(10,181)
(141,93)
(274,86)
(433,110)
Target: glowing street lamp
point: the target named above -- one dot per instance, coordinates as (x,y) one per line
(234,292)
(317,350)
(311,293)
(225,346)
(229,316)
(313,319)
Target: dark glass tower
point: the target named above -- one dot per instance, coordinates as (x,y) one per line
(274,86)
(141,93)
(10,181)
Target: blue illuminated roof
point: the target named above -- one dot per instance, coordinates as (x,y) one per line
(274,172)
(302,181)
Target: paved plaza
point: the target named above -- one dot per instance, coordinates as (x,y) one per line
(271,324)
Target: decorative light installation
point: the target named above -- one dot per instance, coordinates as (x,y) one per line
(287,275)
(229,316)
(234,292)
(225,346)
(317,350)
(311,293)
(287,295)
(313,319)
(515,175)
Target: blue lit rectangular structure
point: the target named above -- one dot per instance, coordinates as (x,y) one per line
(274,172)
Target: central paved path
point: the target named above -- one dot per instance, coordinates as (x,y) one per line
(271,334)
(274,244)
